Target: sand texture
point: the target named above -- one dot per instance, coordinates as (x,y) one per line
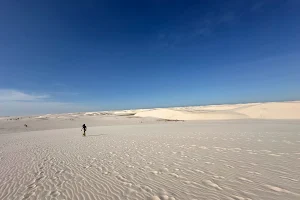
(125,156)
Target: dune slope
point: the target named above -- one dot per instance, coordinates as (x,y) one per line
(272,110)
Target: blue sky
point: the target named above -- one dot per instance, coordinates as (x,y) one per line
(67,56)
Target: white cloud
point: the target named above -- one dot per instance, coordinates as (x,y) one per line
(16,108)
(14,95)
(14,102)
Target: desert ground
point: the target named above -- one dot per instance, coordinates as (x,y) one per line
(230,152)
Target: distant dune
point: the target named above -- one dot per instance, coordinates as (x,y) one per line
(270,110)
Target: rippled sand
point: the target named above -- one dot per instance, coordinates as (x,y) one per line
(239,159)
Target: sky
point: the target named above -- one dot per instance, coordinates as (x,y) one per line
(69,56)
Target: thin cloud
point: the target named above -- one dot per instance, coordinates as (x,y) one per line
(21,108)
(15,95)
(14,102)
(63,93)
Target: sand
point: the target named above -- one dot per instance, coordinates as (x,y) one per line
(125,156)
(270,110)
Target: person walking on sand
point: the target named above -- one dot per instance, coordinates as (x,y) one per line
(84,129)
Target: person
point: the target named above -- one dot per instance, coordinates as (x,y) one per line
(84,129)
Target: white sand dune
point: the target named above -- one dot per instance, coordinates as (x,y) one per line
(273,110)
(185,115)
(130,157)
(164,161)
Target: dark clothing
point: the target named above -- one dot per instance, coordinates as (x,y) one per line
(84,129)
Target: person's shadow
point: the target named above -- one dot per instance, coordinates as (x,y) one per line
(96,135)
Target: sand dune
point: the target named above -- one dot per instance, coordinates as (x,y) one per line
(230,160)
(129,156)
(185,115)
(274,110)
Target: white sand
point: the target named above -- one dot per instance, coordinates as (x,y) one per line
(273,110)
(126,157)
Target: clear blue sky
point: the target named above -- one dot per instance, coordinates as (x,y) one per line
(63,56)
